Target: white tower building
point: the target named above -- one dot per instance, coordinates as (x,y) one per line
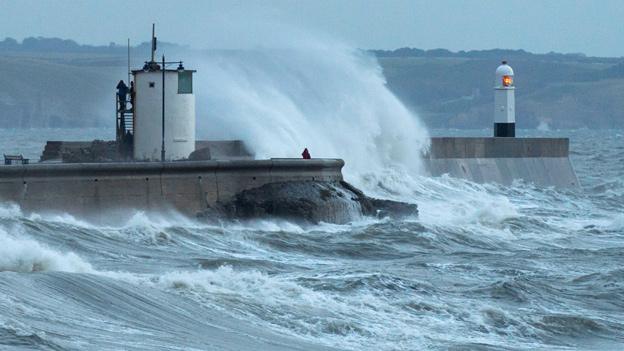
(179,113)
(504,102)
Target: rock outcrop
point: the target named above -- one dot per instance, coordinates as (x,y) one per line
(310,201)
(96,151)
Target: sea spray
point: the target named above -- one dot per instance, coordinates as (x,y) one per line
(327,97)
(26,255)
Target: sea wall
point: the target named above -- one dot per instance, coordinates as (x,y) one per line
(95,189)
(542,161)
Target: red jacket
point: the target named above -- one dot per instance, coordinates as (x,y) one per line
(306,154)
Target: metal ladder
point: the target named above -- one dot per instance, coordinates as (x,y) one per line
(125,128)
(125,119)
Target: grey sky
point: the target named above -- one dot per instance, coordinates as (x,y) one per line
(591,27)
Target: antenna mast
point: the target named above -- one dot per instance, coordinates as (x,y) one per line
(128,60)
(153,41)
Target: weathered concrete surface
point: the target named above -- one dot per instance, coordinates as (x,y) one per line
(542,161)
(309,201)
(220,150)
(107,151)
(96,151)
(94,189)
(489,147)
(54,150)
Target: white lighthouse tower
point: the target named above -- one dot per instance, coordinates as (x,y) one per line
(163,111)
(504,102)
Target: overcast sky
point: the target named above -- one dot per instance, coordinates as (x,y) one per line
(593,27)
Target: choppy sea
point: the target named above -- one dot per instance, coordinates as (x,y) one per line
(483,267)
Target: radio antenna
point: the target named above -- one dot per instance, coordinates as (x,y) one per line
(154,40)
(128,60)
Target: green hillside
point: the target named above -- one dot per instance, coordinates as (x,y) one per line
(457,92)
(49,82)
(58,83)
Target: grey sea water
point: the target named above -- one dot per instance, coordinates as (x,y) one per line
(484,267)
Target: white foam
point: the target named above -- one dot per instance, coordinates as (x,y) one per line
(617,223)
(64,218)
(543,126)
(319,94)
(26,255)
(9,210)
(333,318)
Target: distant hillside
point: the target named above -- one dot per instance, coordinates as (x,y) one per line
(50,82)
(455,89)
(56,45)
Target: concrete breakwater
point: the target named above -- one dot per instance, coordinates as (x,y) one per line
(542,161)
(93,190)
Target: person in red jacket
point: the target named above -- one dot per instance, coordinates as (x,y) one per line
(306,154)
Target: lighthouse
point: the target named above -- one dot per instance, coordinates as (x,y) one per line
(504,102)
(163,110)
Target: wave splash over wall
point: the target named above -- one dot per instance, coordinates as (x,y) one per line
(325,96)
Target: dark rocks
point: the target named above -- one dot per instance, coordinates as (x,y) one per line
(81,151)
(220,150)
(310,201)
(381,208)
(98,151)
(202,154)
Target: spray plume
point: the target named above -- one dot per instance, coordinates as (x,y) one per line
(308,92)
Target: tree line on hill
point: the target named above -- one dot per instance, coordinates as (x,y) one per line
(492,53)
(58,45)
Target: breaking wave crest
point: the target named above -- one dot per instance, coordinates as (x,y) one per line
(322,95)
(26,255)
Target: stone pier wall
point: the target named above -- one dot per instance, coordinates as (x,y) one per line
(189,187)
(542,161)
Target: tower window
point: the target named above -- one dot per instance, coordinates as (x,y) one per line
(507,81)
(152,84)
(185,82)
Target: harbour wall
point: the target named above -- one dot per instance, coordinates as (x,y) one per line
(97,189)
(542,161)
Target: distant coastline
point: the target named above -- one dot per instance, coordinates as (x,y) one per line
(52,82)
